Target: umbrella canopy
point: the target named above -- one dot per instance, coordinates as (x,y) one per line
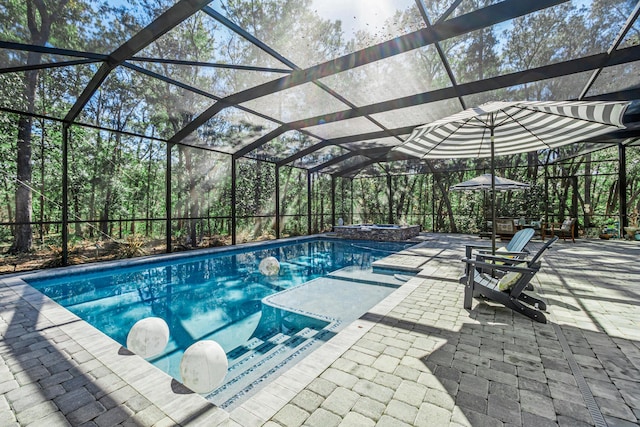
(516,127)
(502,128)
(483,183)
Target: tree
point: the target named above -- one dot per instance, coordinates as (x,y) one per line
(40,19)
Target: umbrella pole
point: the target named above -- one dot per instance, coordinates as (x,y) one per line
(493,197)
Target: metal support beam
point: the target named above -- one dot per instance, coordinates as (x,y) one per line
(372,152)
(171,18)
(622,188)
(390,188)
(546,189)
(46,66)
(52,50)
(247,36)
(261,141)
(357,167)
(305,152)
(233,200)
(210,65)
(167,199)
(616,42)
(309,202)
(445,62)
(277,202)
(478,19)
(65,194)
(559,69)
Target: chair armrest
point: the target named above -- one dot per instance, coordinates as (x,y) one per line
(505,253)
(500,258)
(470,247)
(475,246)
(489,266)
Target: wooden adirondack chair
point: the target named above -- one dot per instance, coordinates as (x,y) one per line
(509,289)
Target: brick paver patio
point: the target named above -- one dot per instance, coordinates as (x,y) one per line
(417,358)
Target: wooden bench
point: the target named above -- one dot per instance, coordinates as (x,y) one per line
(505,227)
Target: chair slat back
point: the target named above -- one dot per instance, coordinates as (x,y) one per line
(520,240)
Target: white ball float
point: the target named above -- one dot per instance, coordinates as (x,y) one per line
(269,266)
(148,337)
(203,366)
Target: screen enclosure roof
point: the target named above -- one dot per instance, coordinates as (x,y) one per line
(325,85)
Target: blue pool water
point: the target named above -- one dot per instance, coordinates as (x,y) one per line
(213,296)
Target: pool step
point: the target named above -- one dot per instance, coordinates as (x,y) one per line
(254,349)
(249,365)
(354,274)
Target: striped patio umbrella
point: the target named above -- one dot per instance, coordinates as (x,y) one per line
(503,128)
(484,181)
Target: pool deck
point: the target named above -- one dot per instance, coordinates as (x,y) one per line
(417,358)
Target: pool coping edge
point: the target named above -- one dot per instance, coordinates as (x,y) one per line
(173,399)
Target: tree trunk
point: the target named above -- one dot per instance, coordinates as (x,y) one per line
(445,198)
(104,216)
(23,237)
(106,227)
(192,206)
(76,210)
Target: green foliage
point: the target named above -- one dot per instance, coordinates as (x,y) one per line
(132,247)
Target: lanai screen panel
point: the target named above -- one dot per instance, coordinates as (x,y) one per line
(320,156)
(418,114)
(283,146)
(419,70)
(370,171)
(218,61)
(99,27)
(15,58)
(341,128)
(389,141)
(216,43)
(201,182)
(311,32)
(346,164)
(46,163)
(296,103)
(407,167)
(114,177)
(565,87)
(618,77)
(633,36)
(57,89)
(134,102)
(232,129)
(560,33)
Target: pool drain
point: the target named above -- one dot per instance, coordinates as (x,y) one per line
(592,406)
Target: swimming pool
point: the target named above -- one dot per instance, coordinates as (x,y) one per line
(219,296)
